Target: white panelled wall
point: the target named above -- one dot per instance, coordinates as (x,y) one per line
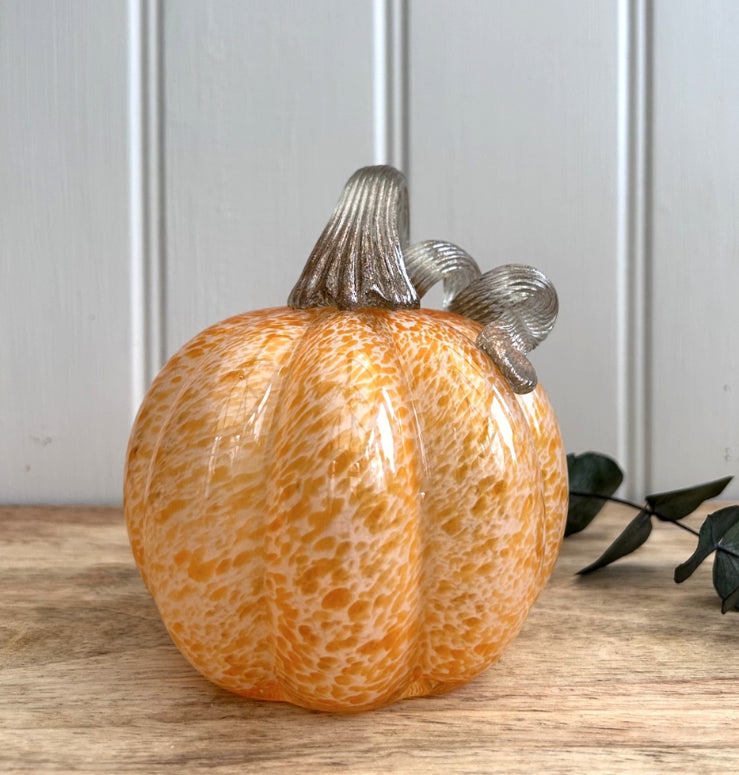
(167,163)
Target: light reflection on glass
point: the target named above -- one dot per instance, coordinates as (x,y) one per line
(384,426)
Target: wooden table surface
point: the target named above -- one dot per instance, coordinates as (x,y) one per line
(621,671)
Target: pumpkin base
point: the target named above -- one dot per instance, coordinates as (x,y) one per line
(271,691)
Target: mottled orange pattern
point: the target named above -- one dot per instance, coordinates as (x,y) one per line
(342,509)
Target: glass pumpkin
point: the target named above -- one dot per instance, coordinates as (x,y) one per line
(344,502)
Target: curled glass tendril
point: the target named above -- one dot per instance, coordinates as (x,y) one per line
(516,303)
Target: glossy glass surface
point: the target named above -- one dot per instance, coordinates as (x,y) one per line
(340,509)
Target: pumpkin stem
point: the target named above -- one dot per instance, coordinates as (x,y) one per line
(516,303)
(518,306)
(433,261)
(358,259)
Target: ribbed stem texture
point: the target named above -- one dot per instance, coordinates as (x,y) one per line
(358,259)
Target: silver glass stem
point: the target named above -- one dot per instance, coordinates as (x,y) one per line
(362,259)
(358,259)
(518,306)
(516,303)
(433,261)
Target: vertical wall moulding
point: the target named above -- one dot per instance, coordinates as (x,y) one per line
(146,171)
(634,240)
(390,45)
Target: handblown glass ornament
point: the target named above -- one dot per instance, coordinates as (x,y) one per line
(350,500)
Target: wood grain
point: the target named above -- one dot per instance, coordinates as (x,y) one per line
(621,671)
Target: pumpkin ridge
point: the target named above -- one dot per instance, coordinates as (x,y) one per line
(367,507)
(192,371)
(212,518)
(455,346)
(541,420)
(315,318)
(199,366)
(416,682)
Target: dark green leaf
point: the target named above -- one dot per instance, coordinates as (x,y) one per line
(726,567)
(711,532)
(676,504)
(596,475)
(730,602)
(632,537)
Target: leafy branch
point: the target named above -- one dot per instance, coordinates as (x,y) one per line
(594,479)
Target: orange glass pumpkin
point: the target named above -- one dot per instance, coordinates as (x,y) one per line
(342,507)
